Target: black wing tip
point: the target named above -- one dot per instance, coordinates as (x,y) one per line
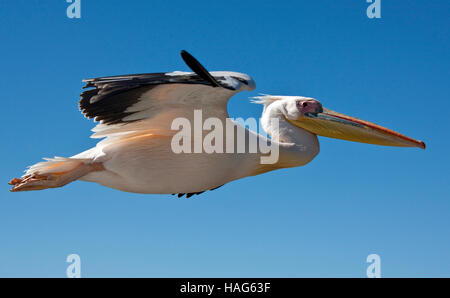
(187,57)
(198,68)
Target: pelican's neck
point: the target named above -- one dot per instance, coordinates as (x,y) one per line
(297,146)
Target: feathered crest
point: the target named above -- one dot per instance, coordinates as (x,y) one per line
(265,99)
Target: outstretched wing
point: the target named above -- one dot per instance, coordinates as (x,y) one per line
(151,101)
(143,106)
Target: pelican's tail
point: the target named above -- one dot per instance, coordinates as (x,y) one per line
(54,172)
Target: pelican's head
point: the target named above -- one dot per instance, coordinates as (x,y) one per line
(308,114)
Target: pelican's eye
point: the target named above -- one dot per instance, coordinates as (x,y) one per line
(301,104)
(309,106)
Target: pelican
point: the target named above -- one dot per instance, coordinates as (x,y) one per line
(135,115)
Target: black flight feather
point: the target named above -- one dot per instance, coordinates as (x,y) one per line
(198,68)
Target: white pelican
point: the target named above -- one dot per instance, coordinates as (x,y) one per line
(135,113)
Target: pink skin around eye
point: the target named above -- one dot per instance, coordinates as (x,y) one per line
(309,106)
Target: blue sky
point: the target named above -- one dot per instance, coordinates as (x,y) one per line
(321,220)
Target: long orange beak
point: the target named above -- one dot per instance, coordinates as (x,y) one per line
(339,126)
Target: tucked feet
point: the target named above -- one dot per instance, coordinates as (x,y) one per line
(58,178)
(33,182)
